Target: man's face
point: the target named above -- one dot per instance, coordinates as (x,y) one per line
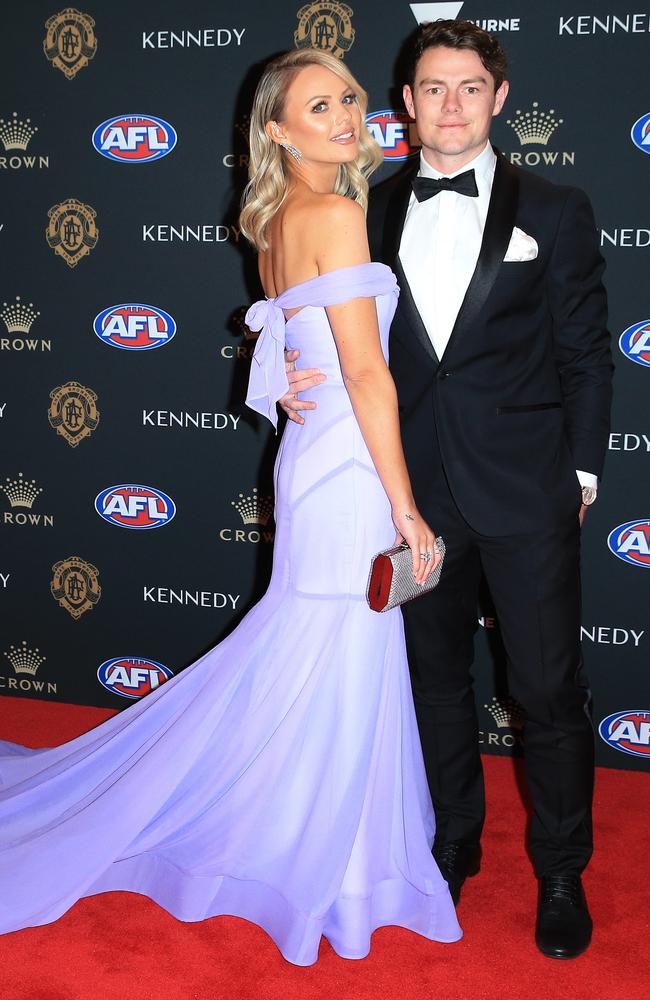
(453,102)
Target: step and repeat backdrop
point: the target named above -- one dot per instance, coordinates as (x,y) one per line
(136,513)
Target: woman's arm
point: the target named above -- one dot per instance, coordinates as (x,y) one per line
(343,242)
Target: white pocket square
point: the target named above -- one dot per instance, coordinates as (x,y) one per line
(521,247)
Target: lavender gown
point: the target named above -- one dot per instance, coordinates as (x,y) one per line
(280,777)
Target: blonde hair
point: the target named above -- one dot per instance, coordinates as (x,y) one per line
(268,169)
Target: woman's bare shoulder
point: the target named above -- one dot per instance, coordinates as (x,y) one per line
(333,229)
(312,234)
(332,209)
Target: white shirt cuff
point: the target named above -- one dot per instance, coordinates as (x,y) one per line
(587,479)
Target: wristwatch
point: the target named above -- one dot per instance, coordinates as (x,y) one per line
(588,495)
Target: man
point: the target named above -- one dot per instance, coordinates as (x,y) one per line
(500,355)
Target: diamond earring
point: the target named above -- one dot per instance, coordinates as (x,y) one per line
(292,150)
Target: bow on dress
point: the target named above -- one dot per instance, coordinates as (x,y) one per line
(268,381)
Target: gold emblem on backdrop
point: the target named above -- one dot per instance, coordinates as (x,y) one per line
(25,660)
(254,509)
(506,712)
(237,325)
(16,133)
(325,26)
(75,585)
(243,127)
(17,316)
(73,412)
(239,322)
(534,126)
(239,157)
(21,492)
(71,231)
(70,41)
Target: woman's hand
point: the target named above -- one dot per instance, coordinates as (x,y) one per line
(417,534)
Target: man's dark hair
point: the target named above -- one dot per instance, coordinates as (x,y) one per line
(457,35)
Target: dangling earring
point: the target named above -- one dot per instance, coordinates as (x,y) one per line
(292,150)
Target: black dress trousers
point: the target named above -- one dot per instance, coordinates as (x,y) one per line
(535,586)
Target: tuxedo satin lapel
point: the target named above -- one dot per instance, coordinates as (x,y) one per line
(410,312)
(395,216)
(393,226)
(499,223)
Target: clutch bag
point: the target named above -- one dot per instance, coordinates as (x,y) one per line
(391,581)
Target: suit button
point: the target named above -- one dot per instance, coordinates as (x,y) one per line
(442,375)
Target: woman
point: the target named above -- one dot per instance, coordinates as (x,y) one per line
(280,777)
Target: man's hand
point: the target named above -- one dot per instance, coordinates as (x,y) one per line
(299,381)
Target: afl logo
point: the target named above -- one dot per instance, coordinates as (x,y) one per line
(132,676)
(635,343)
(628,732)
(134,326)
(641,133)
(631,542)
(131,506)
(395,132)
(134,138)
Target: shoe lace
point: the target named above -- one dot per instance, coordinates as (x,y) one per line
(565,887)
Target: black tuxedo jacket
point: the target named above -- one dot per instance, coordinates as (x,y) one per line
(521,397)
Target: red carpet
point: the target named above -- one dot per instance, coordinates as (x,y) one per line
(121,946)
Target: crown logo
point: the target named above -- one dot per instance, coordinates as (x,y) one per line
(534,126)
(21,492)
(18,317)
(239,321)
(243,126)
(507,713)
(16,134)
(255,509)
(24,660)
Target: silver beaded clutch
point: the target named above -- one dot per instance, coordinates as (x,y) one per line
(391,581)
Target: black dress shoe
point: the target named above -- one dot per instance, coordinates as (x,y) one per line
(457,861)
(563,921)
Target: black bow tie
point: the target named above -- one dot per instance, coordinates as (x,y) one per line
(427,187)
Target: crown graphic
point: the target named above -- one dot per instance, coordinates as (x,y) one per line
(506,712)
(255,509)
(238,319)
(18,317)
(535,126)
(243,126)
(21,492)
(16,134)
(24,660)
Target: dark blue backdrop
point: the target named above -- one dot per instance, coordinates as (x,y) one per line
(144,236)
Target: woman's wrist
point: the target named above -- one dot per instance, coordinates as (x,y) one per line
(405,508)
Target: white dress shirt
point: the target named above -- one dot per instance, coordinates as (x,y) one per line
(440,244)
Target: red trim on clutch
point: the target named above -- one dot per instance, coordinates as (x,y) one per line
(381,579)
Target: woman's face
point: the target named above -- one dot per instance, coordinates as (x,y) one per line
(321,117)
